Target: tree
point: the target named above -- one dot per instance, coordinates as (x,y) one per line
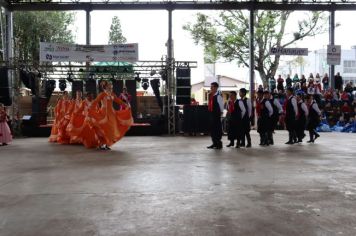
(226,36)
(30,28)
(115,34)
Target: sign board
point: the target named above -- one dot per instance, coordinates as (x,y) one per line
(87,53)
(333,55)
(289,51)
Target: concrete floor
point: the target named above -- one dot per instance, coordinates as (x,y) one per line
(175,186)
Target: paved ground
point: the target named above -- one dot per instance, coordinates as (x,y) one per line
(175,186)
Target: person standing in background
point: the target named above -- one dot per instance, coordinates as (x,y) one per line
(5,133)
(280,82)
(325,82)
(338,82)
(289,82)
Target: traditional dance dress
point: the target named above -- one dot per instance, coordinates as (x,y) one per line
(76,123)
(54,131)
(5,133)
(66,113)
(113,124)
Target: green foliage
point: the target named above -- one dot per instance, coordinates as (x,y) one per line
(30,28)
(115,34)
(226,35)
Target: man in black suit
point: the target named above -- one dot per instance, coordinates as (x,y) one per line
(216,108)
(291,116)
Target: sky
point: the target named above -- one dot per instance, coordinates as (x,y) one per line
(150,30)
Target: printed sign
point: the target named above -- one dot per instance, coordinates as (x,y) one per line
(289,51)
(333,55)
(88,53)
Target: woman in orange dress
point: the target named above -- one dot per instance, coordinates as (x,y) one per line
(58,113)
(66,113)
(113,124)
(75,125)
(91,134)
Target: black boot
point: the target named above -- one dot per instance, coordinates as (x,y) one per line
(248,137)
(270,138)
(316,135)
(211,146)
(219,145)
(230,144)
(311,135)
(290,141)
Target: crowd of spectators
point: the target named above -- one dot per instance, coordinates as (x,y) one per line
(338,105)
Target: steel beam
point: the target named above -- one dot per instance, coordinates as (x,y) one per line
(252,53)
(332,42)
(170,79)
(88,27)
(189,5)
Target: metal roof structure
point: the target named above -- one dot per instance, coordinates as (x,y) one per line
(90,5)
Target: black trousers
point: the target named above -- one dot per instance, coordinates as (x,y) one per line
(245,131)
(290,125)
(312,124)
(216,130)
(300,127)
(232,129)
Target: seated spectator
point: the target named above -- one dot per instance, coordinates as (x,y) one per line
(346,111)
(345,97)
(311,90)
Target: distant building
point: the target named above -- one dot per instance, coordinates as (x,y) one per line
(200,91)
(316,62)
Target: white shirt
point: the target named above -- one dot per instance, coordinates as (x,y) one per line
(269,108)
(249,107)
(294,104)
(304,108)
(316,108)
(220,101)
(242,107)
(278,105)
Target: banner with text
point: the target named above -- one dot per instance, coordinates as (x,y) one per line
(289,51)
(333,55)
(87,53)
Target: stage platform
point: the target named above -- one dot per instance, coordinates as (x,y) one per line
(175,186)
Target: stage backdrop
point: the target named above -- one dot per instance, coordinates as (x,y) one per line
(87,53)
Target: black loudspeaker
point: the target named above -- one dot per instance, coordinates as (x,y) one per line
(117,86)
(196,119)
(90,86)
(183,92)
(131,89)
(39,111)
(5,92)
(77,85)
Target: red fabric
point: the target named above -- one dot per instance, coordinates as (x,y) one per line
(231,106)
(344,96)
(346,109)
(258,107)
(210,104)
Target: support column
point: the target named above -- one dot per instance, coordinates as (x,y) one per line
(252,55)
(170,79)
(9,53)
(88,27)
(9,58)
(332,42)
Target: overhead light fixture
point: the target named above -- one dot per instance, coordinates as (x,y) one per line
(137,77)
(145,84)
